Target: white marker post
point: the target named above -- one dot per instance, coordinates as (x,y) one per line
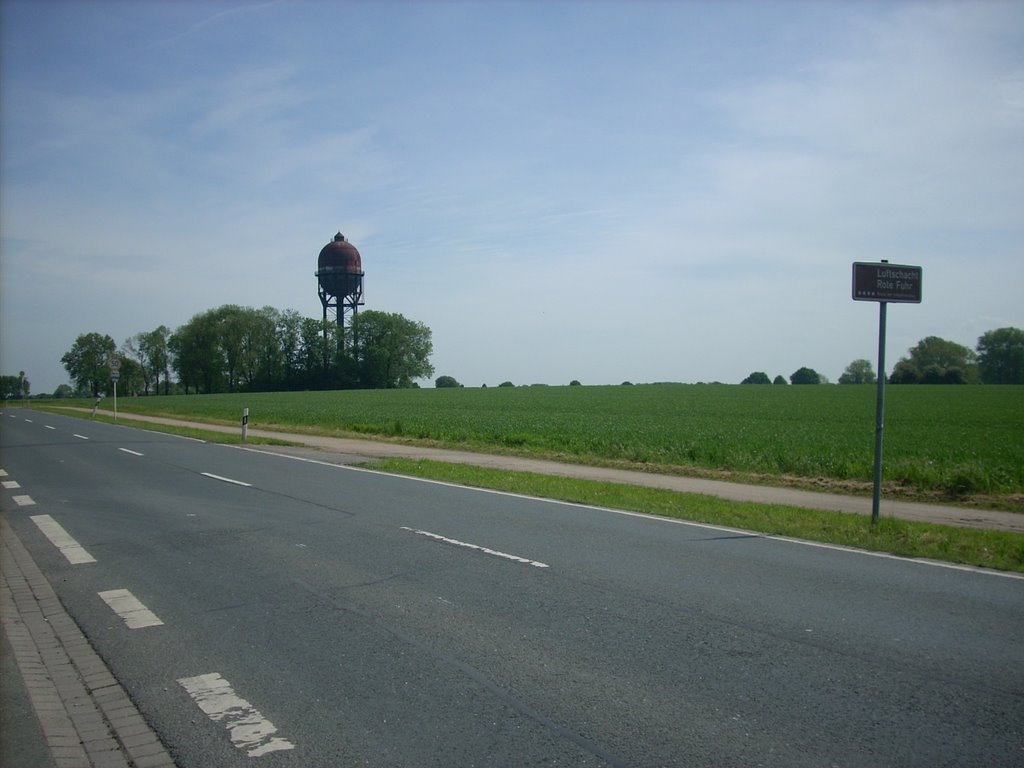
(245,423)
(115,374)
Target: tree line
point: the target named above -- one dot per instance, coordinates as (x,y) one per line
(997,359)
(242,349)
(235,349)
(14,387)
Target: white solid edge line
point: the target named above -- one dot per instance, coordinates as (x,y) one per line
(164,434)
(659,519)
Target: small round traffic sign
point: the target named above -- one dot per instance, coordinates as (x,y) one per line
(114,363)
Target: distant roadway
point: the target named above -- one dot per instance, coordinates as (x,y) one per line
(263,610)
(349,449)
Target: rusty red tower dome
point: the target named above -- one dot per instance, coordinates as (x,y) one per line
(340,279)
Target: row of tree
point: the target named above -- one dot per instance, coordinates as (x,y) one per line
(236,349)
(799,376)
(998,359)
(14,387)
(232,349)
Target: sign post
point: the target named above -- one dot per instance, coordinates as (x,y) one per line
(115,374)
(876,492)
(883,283)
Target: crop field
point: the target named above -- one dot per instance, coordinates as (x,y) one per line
(952,441)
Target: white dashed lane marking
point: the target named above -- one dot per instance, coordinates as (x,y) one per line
(226,479)
(62,540)
(249,730)
(80,437)
(129,608)
(477,547)
(10,484)
(133,453)
(23,501)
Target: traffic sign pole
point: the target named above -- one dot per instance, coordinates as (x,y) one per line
(115,374)
(876,496)
(884,283)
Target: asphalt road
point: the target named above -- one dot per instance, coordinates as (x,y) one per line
(301,614)
(341,450)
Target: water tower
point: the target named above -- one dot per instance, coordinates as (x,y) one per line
(340,279)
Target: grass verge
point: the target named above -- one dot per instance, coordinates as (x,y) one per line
(1001,550)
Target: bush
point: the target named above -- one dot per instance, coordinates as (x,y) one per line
(904,373)
(805,376)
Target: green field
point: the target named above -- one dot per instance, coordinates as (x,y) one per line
(940,441)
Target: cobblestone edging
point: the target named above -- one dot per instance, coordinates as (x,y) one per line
(85,715)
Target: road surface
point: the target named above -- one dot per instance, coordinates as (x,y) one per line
(262,610)
(347,450)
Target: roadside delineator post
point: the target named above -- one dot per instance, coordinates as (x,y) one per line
(115,374)
(245,423)
(884,283)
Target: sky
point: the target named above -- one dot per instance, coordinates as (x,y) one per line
(598,191)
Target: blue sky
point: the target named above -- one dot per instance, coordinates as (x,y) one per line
(601,191)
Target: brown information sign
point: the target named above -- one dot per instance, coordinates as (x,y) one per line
(886,282)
